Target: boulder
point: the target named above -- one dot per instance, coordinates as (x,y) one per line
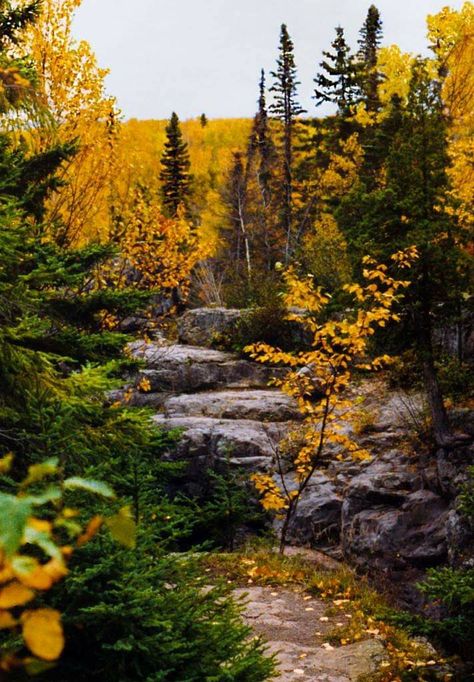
(317,520)
(263,405)
(207,326)
(452,468)
(186,369)
(206,440)
(411,531)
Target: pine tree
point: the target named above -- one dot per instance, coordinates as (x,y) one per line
(336,83)
(175,177)
(369,42)
(286,108)
(203,120)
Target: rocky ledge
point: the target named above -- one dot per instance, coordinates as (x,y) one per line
(394,513)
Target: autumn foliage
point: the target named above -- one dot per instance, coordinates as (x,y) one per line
(339,347)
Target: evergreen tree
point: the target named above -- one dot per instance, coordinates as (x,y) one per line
(261,171)
(336,83)
(203,120)
(264,143)
(175,165)
(286,108)
(405,208)
(369,42)
(14,19)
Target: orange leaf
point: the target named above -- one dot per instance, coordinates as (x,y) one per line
(92,528)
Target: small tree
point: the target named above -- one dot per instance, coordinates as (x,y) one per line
(174,176)
(338,349)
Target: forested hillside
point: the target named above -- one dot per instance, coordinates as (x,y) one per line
(236,357)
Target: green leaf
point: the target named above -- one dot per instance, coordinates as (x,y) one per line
(14,513)
(36,472)
(122,528)
(51,494)
(95,487)
(42,540)
(34,666)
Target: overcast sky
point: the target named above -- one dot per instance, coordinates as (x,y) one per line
(195,56)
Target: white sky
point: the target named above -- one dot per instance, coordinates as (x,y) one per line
(196,56)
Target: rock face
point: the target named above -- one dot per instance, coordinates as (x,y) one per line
(206,326)
(206,440)
(187,369)
(394,512)
(261,405)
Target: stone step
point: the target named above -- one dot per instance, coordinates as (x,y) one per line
(244,442)
(261,405)
(187,369)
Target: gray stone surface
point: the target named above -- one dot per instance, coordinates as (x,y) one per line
(205,326)
(263,405)
(393,512)
(291,623)
(409,531)
(186,369)
(318,517)
(243,441)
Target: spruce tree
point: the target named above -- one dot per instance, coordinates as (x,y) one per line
(336,83)
(261,171)
(264,143)
(369,42)
(286,108)
(407,206)
(175,165)
(14,19)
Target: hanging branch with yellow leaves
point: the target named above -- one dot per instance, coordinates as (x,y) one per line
(338,348)
(32,559)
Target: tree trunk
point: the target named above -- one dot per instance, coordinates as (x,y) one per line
(441,428)
(288,188)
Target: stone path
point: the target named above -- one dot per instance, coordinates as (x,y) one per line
(296,629)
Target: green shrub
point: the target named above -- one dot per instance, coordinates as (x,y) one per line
(404,372)
(138,615)
(453,589)
(456,378)
(223,510)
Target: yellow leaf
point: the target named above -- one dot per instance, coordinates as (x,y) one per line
(6,620)
(43,633)
(5,463)
(40,525)
(15,594)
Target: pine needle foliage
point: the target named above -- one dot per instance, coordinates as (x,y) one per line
(175,166)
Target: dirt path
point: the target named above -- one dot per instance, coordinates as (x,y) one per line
(296,629)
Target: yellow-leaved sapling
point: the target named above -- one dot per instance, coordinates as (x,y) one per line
(338,348)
